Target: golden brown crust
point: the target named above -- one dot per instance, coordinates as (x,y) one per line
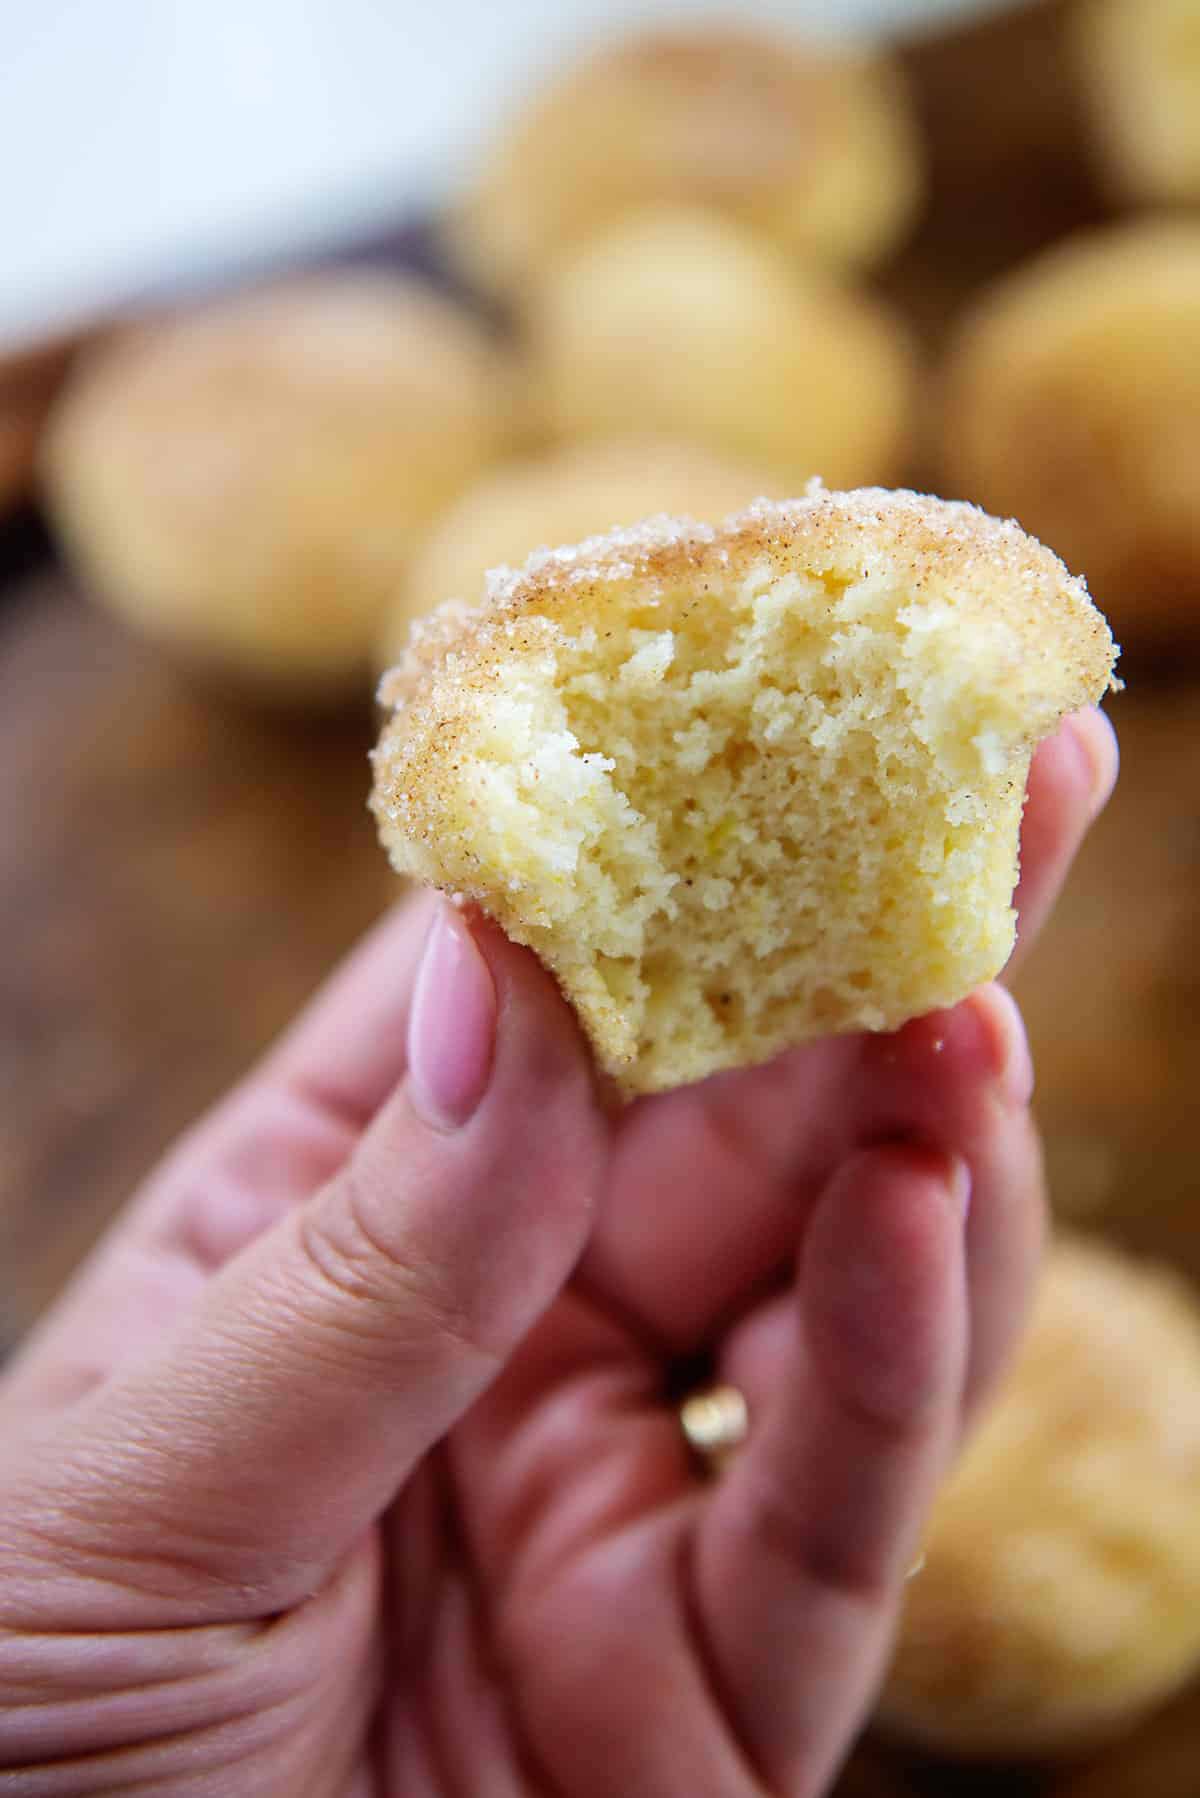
(562,583)
(564,495)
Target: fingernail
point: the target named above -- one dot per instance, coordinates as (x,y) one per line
(1009,1045)
(1095,744)
(958,1185)
(452,1027)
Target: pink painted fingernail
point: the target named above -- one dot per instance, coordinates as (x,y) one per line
(1002,1028)
(1096,746)
(452,1028)
(958,1184)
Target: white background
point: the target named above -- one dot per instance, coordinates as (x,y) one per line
(151,141)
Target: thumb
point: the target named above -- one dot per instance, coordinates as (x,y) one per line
(231,1472)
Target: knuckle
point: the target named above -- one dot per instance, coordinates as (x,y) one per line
(820,1546)
(370,1283)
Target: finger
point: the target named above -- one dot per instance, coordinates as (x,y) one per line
(228,1473)
(713,1187)
(801,1552)
(1005,1234)
(1070,782)
(1006,1229)
(272,1143)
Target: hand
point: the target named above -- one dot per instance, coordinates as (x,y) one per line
(351,1463)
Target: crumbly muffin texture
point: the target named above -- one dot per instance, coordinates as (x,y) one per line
(1060,1594)
(743,785)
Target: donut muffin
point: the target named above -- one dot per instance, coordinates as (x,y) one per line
(247,482)
(1060,1595)
(813,147)
(743,785)
(1072,401)
(680,325)
(1138,63)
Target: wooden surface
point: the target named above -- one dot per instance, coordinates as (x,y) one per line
(177,874)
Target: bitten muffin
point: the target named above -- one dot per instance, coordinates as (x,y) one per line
(1139,69)
(1060,1595)
(813,147)
(561,497)
(680,325)
(743,785)
(1072,401)
(247,482)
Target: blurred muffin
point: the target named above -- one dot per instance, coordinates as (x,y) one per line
(745,785)
(813,147)
(1060,1595)
(681,325)
(1139,68)
(1160,1760)
(247,483)
(1073,402)
(29,381)
(561,497)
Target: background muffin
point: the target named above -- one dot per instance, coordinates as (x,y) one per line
(1139,66)
(247,483)
(1072,401)
(1060,1595)
(680,325)
(815,148)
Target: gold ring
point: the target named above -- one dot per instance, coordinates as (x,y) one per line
(715,1422)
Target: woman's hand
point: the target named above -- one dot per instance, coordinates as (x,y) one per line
(351,1463)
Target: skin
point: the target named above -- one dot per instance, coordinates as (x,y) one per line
(350,1463)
